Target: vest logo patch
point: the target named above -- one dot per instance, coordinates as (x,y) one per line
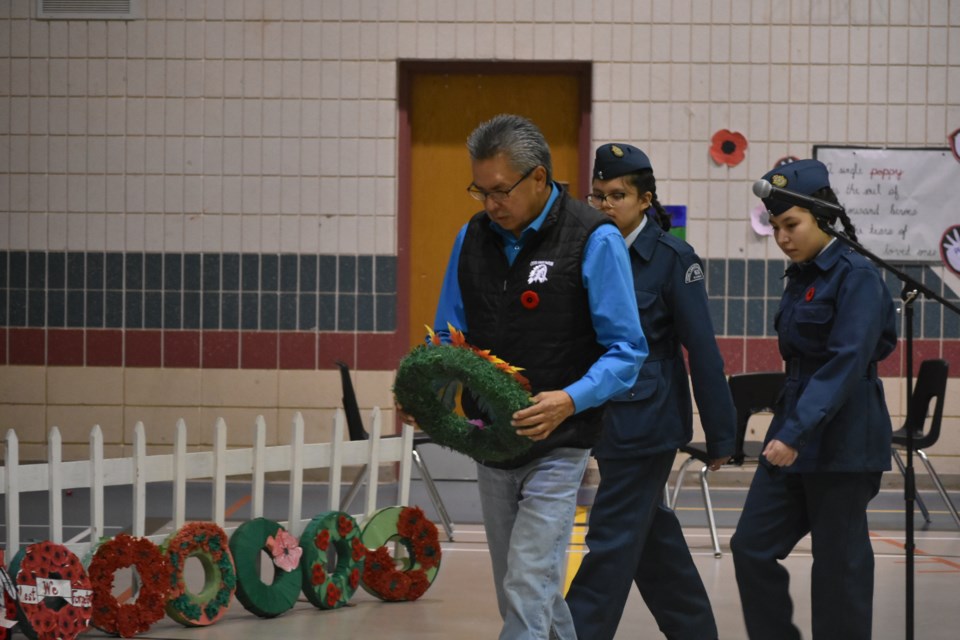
(694,273)
(538,271)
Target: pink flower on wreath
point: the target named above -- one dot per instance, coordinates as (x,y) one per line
(285,550)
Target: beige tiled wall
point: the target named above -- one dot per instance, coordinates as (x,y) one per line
(271,126)
(33,399)
(214,125)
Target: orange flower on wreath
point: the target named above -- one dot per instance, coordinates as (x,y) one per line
(728,147)
(457,339)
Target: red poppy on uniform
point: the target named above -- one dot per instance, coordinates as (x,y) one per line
(529,299)
(728,147)
(809,296)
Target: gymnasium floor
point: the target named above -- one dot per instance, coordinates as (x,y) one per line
(461,603)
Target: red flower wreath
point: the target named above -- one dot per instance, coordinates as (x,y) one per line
(41,567)
(129,619)
(208,543)
(728,147)
(381,575)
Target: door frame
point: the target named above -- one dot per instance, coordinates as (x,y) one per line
(407,70)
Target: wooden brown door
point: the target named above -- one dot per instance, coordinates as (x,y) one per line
(440,105)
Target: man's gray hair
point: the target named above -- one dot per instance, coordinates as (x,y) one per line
(515,137)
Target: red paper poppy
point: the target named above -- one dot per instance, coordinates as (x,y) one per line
(954,139)
(728,147)
(358,550)
(322,540)
(529,299)
(809,295)
(344,526)
(333,594)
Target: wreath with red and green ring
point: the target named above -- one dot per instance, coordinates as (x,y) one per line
(257,597)
(498,387)
(206,542)
(130,618)
(382,576)
(339,533)
(48,617)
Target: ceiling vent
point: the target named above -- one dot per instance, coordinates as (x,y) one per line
(89,9)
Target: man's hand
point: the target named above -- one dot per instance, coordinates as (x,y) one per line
(405,417)
(548,410)
(779,454)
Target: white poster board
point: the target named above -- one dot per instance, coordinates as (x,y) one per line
(901,201)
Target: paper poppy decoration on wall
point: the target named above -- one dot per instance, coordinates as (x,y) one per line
(950,248)
(955,144)
(760,220)
(728,147)
(785,160)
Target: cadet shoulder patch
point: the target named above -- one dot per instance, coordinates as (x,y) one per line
(694,273)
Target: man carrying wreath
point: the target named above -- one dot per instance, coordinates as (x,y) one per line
(544,282)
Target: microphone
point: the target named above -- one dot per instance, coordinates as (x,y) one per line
(763,189)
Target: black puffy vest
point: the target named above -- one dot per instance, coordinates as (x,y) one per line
(554,341)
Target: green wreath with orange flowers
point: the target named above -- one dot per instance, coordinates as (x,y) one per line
(499,388)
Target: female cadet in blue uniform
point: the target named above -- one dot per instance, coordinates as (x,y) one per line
(633,536)
(829,440)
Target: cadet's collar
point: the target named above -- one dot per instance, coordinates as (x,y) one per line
(646,240)
(827,257)
(630,237)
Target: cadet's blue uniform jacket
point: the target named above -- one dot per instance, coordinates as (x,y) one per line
(835,322)
(656,415)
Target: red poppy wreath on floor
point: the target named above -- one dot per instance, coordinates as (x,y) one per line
(129,619)
(728,147)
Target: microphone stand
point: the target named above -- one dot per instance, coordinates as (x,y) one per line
(912,289)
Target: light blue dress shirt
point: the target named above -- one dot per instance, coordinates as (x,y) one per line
(609,283)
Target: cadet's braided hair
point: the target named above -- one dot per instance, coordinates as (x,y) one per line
(826,193)
(644,181)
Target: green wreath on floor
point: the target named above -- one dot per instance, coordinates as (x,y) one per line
(499,388)
(247,544)
(332,536)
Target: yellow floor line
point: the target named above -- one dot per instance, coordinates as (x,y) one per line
(576,548)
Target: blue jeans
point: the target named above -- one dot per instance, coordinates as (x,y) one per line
(528,514)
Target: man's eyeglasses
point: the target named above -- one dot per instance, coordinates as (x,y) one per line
(497,195)
(597,200)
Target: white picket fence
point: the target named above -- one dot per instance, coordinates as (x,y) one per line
(178,467)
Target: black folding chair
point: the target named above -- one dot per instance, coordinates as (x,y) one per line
(931,385)
(752,393)
(357,431)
